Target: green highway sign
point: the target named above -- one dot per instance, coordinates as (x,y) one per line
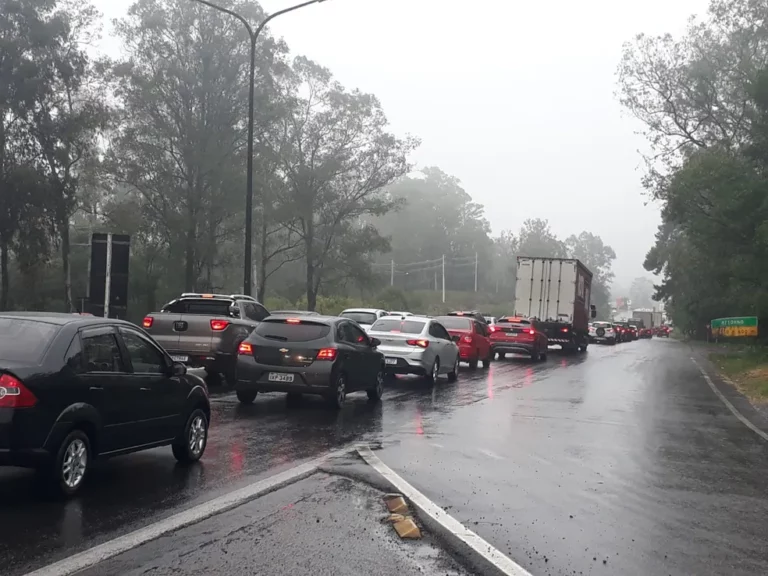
(738,326)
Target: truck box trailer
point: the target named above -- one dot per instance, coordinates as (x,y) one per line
(556,293)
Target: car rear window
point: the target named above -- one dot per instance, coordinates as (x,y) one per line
(602,325)
(397,325)
(456,323)
(360,317)
(291,331)
(202,306)
(25,340)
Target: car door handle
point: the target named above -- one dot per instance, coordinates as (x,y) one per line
(96,389)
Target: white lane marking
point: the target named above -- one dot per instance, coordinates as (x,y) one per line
(497,559)
(490,454)
(728,404)
(107,550)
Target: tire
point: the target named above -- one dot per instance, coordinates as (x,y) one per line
(230,371)
(543,356)
(473,364)
(501,355)
(454,374)
(338,394)
(190,445)
(375,394)
(487,361)
(434,372)
(71,464)
(246,396)
(535,355)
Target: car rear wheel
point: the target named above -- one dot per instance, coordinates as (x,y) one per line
(473,364)
(338,394)
(246,396)
(434,372)
(375,394)
(71,464)
(454,374)
(190,445)
(543,355)
(487,361)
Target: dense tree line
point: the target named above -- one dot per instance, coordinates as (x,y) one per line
(153,145)
(703,100)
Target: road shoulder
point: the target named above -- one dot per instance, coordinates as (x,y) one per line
(323,524)
(755,415)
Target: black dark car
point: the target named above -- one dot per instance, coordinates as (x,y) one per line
(74,388)
(322,355)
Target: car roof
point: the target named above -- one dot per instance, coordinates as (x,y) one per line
(371,310)
(62,318)
(297,312)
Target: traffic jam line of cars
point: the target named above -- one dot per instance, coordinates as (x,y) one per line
(625,331)
(77,387)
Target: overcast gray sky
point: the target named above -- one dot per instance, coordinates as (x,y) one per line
(514,98)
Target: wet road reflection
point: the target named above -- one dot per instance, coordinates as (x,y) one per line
(621,454)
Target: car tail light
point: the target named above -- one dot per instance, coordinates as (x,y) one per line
(467,339)
(327,354)
(531,331)
(492,328)
(293,321)
(13,394)
(563,329)
(245,349)
(219,325)
(148,321)
(419,343)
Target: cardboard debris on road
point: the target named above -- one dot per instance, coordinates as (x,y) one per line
(408,529)
(396,503)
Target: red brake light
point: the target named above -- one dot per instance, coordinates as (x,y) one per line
(293,321)
(207,295)
(13,394)
(419,343)
(492,328)
(563,329)
(459,313)
(245,349)
(326,354)
(148,321)
(531,331)
(219,325)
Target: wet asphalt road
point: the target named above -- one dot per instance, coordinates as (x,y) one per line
(620,461)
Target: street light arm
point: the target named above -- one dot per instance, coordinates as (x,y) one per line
(231,13)
(280,12)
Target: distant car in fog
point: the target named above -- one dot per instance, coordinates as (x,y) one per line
(364,316)
(602,332)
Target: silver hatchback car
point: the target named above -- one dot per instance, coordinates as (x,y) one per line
(416,345)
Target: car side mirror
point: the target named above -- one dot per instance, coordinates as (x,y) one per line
(178,369)
(375,342)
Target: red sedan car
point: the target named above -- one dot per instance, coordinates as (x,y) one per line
(515,335)
(474,339)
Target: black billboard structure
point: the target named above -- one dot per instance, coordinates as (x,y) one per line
(108,275)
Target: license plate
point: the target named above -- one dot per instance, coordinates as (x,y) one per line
(390,360)
(180,358)
(278,377)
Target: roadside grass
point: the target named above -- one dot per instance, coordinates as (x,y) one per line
(746,366)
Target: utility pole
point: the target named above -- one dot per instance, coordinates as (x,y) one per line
(254,36)
(475,271)
(392,273)
(443,278)
(108,280)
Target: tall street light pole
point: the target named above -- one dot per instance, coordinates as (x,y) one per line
(254,35)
